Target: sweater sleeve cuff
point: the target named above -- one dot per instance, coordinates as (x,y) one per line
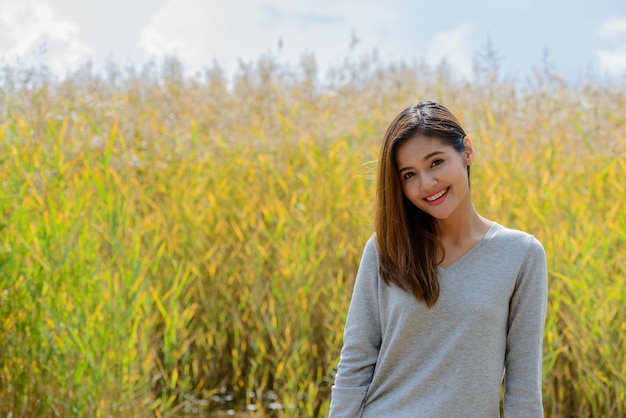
(347,401)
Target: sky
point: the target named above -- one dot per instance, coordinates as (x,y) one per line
(573,37)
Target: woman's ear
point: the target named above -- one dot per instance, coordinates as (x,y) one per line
(468,152)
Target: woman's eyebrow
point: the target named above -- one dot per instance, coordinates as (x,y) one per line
(432,154)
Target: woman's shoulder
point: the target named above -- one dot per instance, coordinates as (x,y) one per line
(511,236)
(371,246)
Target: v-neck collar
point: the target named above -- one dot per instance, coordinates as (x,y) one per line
(493,229)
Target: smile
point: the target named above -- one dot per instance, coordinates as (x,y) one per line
(436,196)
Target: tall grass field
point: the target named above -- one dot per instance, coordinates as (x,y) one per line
(176,245)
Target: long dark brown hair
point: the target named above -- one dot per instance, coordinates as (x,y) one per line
(407,236)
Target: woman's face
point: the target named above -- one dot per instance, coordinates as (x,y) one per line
(434,175)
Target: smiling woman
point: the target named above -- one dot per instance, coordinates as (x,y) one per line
(446,301)
(428,169)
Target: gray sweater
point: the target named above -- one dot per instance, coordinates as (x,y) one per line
(403,359)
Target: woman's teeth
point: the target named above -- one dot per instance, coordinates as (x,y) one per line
(436,196)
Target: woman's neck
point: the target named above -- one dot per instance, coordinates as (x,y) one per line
(464,229)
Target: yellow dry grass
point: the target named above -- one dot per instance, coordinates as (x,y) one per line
(174,246)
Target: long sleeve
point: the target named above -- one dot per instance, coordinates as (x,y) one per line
(362,339)
(527,311)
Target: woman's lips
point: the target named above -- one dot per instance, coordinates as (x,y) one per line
(437,197)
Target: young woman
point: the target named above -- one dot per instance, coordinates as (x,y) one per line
(447,304)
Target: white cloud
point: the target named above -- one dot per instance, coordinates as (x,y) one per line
(613,28)
(37,36)
(455,47)
(613,61)
(612,58)
(198,32)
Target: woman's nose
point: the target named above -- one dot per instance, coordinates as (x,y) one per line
(428,181)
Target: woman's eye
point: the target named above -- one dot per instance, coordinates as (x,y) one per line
(436,162)
(407,176)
